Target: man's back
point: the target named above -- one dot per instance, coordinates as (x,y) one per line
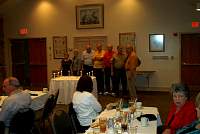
(16,101)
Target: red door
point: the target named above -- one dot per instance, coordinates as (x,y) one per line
(190,59)
(29,62)
(38,62)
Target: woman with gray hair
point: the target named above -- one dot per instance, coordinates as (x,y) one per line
(182,111)
(194,127)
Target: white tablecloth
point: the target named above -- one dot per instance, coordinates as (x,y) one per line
(38,100)
(150,129)
(67,86)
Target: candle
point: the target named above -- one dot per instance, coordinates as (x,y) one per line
(61,72)
(92,73)
(58,73)
(81,73)
(68,73)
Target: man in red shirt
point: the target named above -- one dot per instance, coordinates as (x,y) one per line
(107,59)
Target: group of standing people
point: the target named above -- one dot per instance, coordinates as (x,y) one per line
(108,66)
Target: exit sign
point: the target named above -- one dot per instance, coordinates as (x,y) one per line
(23,31)
(195,24)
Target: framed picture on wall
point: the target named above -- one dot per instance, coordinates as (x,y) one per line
(59,46)
(80,42)
(156,42)
(90,16)
(127,38)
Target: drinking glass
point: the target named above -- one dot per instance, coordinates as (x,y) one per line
(102,124)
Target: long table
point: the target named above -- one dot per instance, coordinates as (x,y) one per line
(150,129)
(67,86)
(38,99)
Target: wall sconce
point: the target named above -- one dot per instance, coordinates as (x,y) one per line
(198,6)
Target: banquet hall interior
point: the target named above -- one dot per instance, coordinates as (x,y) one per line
(35,34)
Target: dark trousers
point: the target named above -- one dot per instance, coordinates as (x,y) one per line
(108,77)
(87,69)
(119,76)
(99,74)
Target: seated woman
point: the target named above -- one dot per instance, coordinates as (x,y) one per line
(193,128)
(84,102)
(182,111)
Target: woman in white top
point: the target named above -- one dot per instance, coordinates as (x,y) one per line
(84,102)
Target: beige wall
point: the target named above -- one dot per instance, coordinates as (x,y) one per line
(47,18)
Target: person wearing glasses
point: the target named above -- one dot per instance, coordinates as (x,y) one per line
(182,111)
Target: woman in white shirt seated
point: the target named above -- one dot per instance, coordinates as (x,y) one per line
(84,102)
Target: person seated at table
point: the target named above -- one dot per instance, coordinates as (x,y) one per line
(194,127)
(66,65)
(182,111)
(17,99)
(84,102)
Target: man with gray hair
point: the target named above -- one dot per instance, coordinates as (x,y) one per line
(130,66)
(17,99)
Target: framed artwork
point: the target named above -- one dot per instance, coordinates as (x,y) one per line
(80,42)
(127,38)
(156,42)
(90,16)
(59,46)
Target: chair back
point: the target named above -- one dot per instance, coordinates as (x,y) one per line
(22,122)
(2,127)
(74,118)
(48,107)
(56,98)
(61,122)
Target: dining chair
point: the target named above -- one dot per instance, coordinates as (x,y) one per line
(61,122)
(75,120)
(22,122)
(2,127)
(46,114)
(56,98)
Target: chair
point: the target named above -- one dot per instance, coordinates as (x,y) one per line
(22,122)
(47,112)
(2,127)
(61,122)
(78,128)
(56,98)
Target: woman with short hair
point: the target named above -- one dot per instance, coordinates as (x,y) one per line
(182,111)
(194,127)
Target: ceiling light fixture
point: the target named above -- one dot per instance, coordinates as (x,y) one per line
(198,6)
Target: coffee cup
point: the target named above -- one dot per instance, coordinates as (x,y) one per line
(138,105)
(144,122)
(45,90)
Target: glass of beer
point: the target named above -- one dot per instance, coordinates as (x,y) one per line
(102,124)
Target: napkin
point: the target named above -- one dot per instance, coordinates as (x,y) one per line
(151,117)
